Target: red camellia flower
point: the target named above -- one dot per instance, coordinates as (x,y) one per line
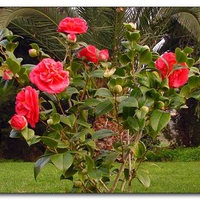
(49,76)
(89,53)
(167,65)
(72,25)
(27,105)
(103,55)
(18,122)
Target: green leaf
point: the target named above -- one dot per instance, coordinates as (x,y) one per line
(11,46)
(40,163)
(194,81)
(90,163)
(78,82)
(195,95)
(95,174)
(27,133)
(185,90)
(69,172)
(68,120)
(79,135)
(180,56)
(35,46)
(97,73)
(129,102)
(71,90)
(138,149)
(102,133)
(3,33)
(131,54)
(13,65)
(188,50)
(110,158)
(144,179)
(159,119)
(133,123)
(83,123)
(133,36)
(62,161)
(35,139)
(103,92)
(50,142)
(53,107)
(15,134)
(104,107)
(145,57)
(124,59)
(56,118)
(190,62)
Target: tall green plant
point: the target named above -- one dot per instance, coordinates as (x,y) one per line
(137,97)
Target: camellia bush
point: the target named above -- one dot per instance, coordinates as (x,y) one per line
(96,111)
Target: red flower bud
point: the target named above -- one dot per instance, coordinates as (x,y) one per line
(7,74)
(33,53)
(18,122)
(103,55)
(71,38)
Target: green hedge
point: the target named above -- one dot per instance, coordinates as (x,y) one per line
(178,154)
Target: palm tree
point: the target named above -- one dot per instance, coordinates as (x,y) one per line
(105,25)
(37,25)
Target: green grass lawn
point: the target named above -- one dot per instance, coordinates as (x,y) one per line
(168,177)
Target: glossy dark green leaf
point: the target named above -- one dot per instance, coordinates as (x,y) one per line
(194,82)
(68,120)
(138,149)
(97,73)
(40,163)
(159,119)
(185,90)
(190,62)
(62,161)
(13,65)
(35,139)
(35,46)
(3,33)
(102,133)
(104,107)
(27,133)
(90,163)
(195,95)
(110,158)
(133,36)
(145,57)
(71,90)
(129,102)
(11,46)
(180,56)
(56,118)
(15,134)
(50,142)
(124,59)
(188,50)
(103,92)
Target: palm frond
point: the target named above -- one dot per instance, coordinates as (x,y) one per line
(187,17)
(190,22)
(37,25)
